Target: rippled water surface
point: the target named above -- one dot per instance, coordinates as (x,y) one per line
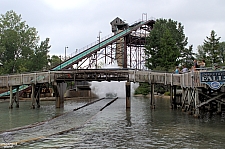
(116,127)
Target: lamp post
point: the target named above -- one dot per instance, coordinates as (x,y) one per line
(144,14)
(99,35)
(60,61)
(65,52)
(99,40)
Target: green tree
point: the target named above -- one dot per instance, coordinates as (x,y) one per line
(211,48)
(201,55)
(168,50)
(143,88)
(222,51)
(39,60)
(54,60)
(19,45)
(187,57)
(165,44)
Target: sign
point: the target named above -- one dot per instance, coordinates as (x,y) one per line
(214,79)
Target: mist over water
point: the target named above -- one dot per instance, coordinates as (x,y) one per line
(101,88)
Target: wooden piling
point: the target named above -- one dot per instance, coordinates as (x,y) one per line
(17,97)
(171,96)
(32,96)
(128,93)
(60,89)
(152,102)
(10,98)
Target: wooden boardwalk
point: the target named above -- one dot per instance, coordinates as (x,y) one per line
(190,79)
(196,94)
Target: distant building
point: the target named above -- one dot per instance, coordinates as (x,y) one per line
(118,24)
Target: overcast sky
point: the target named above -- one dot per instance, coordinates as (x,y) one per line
(76,23)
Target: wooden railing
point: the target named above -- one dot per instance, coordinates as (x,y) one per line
(189,79)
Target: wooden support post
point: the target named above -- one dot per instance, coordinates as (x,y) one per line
(175,97)
(10,98)
(152,102)
(60,89)
(32,96)
(196,112)
(219,110)
(17,97)
(171,97)
(128,94)
(38,96)
(183,99)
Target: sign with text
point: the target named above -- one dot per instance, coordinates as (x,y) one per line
(214,79)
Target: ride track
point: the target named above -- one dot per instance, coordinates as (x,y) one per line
(88,51)
(13,131)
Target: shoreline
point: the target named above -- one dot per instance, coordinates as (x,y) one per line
(76,98)
(140,95)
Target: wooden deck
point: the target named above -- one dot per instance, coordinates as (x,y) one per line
(190,79)
(195,95)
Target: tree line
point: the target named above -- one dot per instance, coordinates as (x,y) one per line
(167,47)
(20,47)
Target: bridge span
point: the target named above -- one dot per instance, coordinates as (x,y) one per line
(195,93)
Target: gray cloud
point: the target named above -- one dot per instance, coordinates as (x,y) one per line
(77,25)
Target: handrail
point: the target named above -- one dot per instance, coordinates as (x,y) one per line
(96,42)
(97,46)
(84,51)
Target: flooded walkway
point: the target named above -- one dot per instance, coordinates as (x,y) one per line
(116,127)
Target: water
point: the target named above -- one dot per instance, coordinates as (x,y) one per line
(116,127)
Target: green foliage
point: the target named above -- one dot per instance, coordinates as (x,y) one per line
(211,48)
(144,89)
(167,93)
(187,57)
(201,55)
(19,49)
(222,51)
(165,45)
(54,60)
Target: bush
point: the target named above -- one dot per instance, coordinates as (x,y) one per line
(167,93)
(143,89)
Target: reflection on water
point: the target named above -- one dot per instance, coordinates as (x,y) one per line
(139,127)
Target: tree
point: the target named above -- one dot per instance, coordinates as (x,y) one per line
(165,44)
(39,60)
(187,57)
(222,51)
(169,50)
(143,88)
(211,48)
(54,60)
(201,55)
(19,45)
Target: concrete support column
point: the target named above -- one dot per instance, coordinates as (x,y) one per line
(128,94)
(152,102)
(60,89)
(10,98)
(33,96)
